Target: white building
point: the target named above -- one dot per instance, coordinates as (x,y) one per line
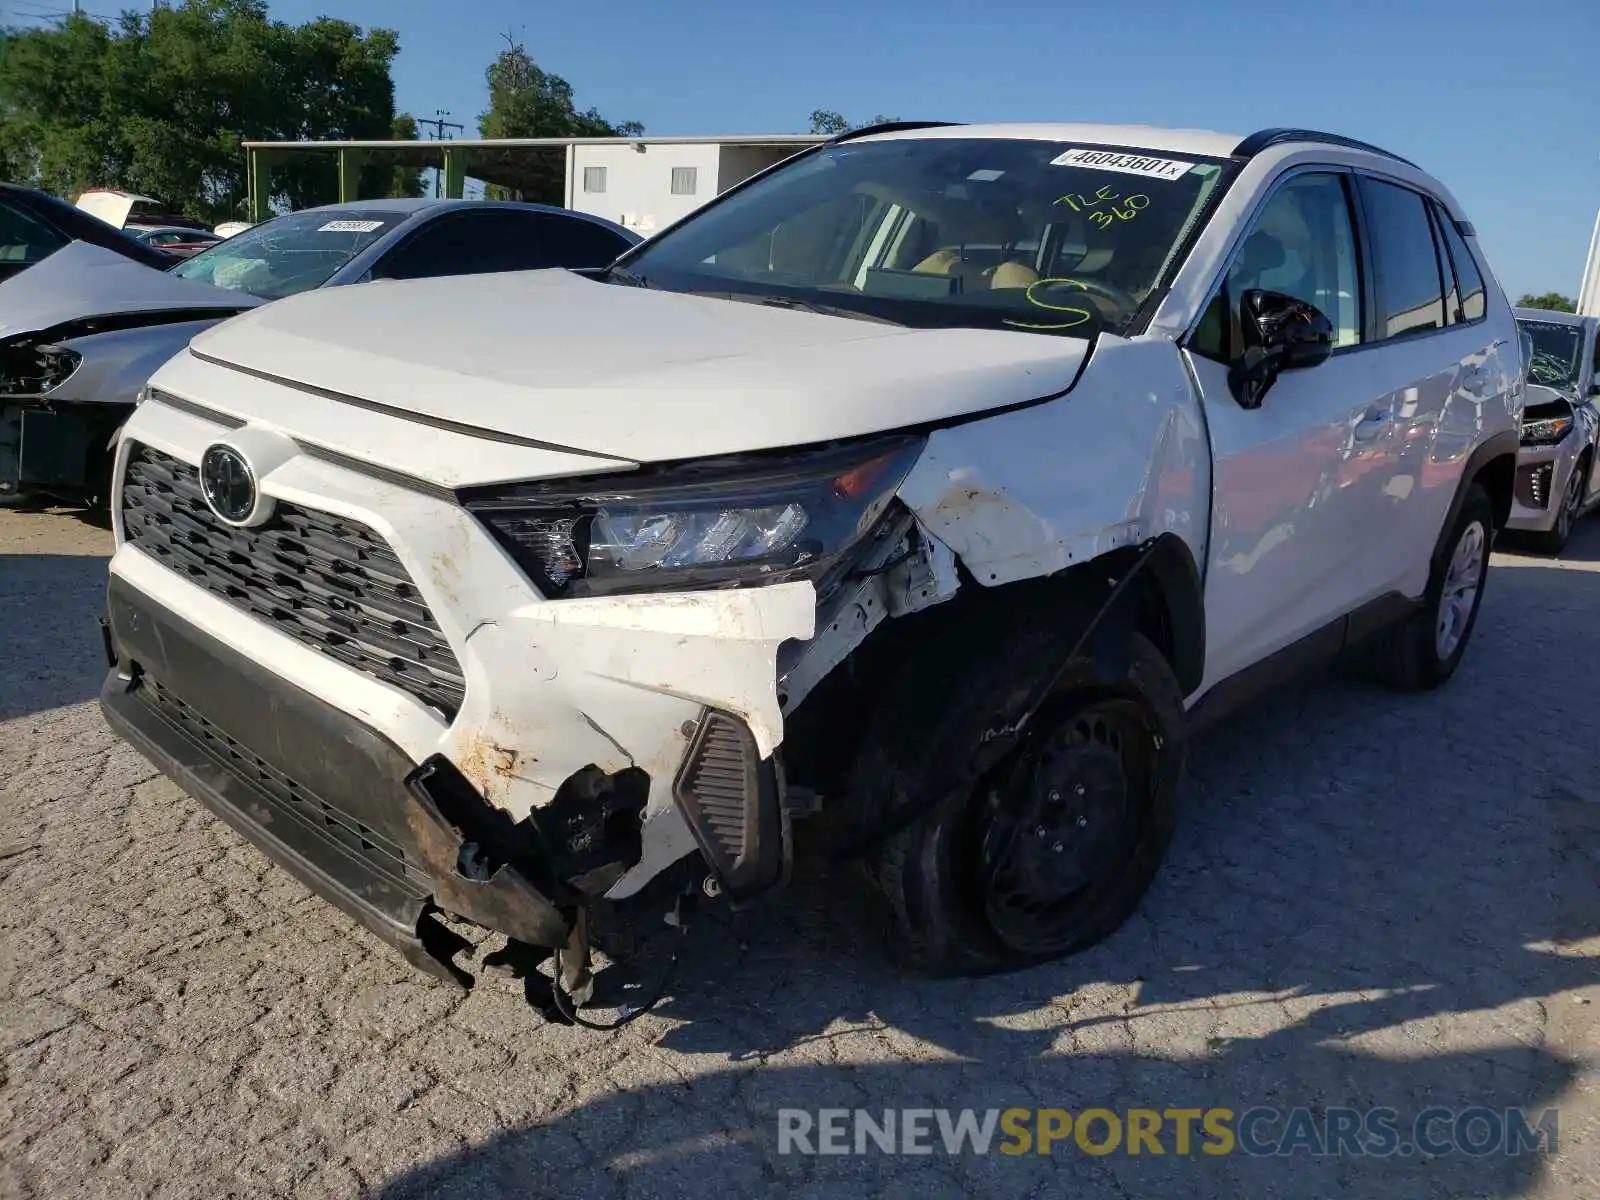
(648,184)
(1589,292)
(643,182)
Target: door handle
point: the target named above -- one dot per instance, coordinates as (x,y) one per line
(1370,425)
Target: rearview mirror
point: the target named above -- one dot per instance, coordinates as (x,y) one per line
(1281,333)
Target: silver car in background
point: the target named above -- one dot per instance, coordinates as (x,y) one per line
(1556,479)
(81,331)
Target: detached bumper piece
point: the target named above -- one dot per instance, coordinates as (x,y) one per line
(326,798)
(731,798)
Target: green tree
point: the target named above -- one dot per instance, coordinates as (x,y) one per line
(526,101)
(158,102)
(1553,301)
(825,120)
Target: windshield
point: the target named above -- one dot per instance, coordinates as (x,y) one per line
(289,254)
(1557,352)
(1038,236)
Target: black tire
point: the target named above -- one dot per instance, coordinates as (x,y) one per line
(1411,655)
(941,881)
(1554,540)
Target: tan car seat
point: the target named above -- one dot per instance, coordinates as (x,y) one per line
(982,228)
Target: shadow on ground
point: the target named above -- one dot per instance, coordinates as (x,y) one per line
(1342,923)
(49,608)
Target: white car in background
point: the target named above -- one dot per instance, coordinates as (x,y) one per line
(1556,479)
(945,475)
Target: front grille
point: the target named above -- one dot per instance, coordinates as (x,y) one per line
(286,799)
(1533,485)
(326,581)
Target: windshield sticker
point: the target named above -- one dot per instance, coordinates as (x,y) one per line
(985,175)
(1124,164)
(1071,315)
(349,226)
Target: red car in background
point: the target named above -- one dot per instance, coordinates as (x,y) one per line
(180,241)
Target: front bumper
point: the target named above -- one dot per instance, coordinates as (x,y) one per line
(676,690)
(1541,481)
(332,802)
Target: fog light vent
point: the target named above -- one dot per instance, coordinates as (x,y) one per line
(729,795)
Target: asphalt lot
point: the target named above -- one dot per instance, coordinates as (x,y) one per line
(1372,900)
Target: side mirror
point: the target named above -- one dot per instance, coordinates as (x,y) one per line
(1281,334)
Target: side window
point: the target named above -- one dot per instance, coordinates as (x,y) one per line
(573,242)
(475,243)
(1452,291)
(1469,280)
(441,247)
(1405,260)
(23,239)
(1302,244)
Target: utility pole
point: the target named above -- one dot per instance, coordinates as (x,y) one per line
(439,126)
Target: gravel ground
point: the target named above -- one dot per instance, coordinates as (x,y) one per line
(1372,900)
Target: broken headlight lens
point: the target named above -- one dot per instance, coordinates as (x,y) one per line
(704,525)
(28,369)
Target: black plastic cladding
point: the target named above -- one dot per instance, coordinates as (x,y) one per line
(326,581)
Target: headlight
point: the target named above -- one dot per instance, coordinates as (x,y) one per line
(1546,424)
(29,369)
(701,526)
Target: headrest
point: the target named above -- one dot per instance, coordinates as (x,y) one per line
(1260,252)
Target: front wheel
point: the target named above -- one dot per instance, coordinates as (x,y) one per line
(1053,848)
(1554,540)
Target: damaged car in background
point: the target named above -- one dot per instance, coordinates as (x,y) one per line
(941,479)
(1556,479)
(81,332)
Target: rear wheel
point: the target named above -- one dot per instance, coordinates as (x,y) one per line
(1050,850)
(1425,649)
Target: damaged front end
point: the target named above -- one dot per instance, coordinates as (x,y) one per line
(65,390)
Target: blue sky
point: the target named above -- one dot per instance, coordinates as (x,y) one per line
(1487,95)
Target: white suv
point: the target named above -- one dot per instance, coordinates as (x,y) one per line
(944,476)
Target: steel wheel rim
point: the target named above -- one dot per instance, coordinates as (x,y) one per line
(1065,819)
(1459,598)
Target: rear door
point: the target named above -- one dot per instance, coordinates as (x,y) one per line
(1442,355)
(1295,502)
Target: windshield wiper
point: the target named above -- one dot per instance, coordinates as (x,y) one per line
(799,305)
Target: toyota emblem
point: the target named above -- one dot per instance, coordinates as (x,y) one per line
(227,483)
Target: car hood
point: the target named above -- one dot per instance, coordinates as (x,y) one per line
(633,373)
(1540,394)
(82,280)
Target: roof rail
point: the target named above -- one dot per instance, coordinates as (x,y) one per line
(886,127)
(1259,141)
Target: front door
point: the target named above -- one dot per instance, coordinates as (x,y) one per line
(1296,482)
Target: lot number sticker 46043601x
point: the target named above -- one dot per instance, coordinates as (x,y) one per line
(349,226)
(1125,164)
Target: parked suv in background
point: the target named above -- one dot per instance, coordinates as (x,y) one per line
(1556,480)
(948,475)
